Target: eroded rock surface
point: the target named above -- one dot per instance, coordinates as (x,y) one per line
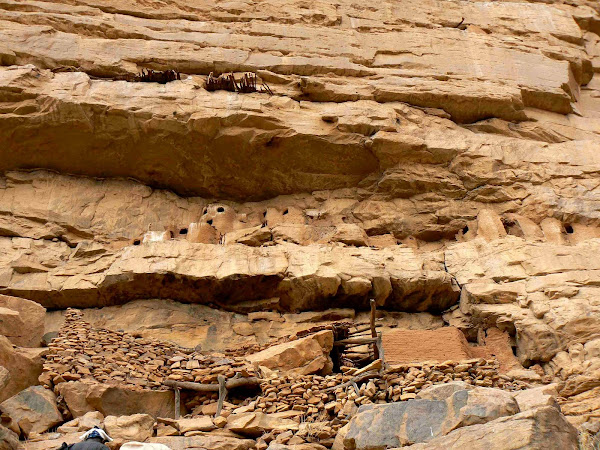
(302,277)
(437,156)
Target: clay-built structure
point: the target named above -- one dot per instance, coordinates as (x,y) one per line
(300,225)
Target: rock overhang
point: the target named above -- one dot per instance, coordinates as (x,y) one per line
(302,277)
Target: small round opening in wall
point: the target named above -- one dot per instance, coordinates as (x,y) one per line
(209,222)
(220,209)
(568,229)
(183,231)
(136,242)
(465,230)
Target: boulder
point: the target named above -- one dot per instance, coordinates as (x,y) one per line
(537,397)
(443,391)
(254,424)
(209,441)
(136,427)
(90,420)
(86,422)
(75,395)
(33,410)
(202,423)
(23,364)
(26,327)
(82,397)
(303,356)
(536,429)
(397,424)
(11,324)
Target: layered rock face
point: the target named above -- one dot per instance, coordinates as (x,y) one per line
(439,157)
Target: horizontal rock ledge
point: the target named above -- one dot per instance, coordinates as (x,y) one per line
(237,277)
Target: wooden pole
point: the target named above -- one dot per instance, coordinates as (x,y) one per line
(373,330)
(177,402)
(222,394)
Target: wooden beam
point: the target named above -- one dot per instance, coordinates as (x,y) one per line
(359,341)
(365,328)
(230,384)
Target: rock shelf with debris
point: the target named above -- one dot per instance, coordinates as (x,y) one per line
(287,407)
(81,352)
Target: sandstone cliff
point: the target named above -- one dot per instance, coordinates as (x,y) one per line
(440,157)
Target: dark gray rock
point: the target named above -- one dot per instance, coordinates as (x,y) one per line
(535,429)
(377,427)
(33,410)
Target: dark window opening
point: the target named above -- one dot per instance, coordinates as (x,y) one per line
(285,212)
(512,228)
(569,229)
(220,209)
(183,231)
(465,230)
(204,211)
(136,242)
(209,222)
(265,214)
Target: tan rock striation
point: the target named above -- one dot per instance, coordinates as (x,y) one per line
(302,277)
(438,156)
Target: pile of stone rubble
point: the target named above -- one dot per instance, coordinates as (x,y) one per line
(339,395)
(81,352)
